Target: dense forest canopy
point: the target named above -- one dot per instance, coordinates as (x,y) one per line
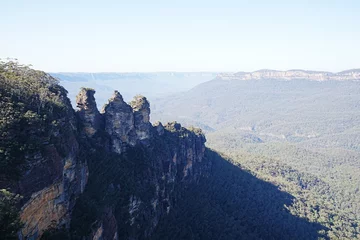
(31,103)
(301,135)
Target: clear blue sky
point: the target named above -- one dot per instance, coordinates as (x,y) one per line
(186,35)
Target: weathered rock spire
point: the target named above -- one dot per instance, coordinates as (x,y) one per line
(141,109)
(119,123)
(159,128)
(88,111)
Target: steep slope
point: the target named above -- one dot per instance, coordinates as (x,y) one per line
(282,131)
(39,150)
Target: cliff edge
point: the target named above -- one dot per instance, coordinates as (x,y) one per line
(87,174)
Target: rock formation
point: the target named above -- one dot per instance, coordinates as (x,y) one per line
(173,156)
(88,113)
(159,128)
(109,175)
(126,124)
(119,123)
(141,109)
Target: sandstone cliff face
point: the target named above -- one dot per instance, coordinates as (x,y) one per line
(292,75)
(50,173)
(51,184)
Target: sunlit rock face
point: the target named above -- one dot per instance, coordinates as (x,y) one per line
(119,123)
(126,124)
(88,112)
(141,109)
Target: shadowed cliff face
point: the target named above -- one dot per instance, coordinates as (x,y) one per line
(233,204)
(131,182)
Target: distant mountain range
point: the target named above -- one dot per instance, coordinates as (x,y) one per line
(352,74)
(161,84)
(152,85)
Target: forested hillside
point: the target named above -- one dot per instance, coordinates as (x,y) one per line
(301,135)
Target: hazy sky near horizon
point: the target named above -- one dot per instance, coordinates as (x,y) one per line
(186,35)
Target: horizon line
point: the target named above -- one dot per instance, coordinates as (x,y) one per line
(217,72)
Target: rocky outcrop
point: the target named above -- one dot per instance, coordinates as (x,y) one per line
(141,109)
(191,149)
(119,123)
(163,159)
(88,111)
(126,124)
(353,74)
(159,128)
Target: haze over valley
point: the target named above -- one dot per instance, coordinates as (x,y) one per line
(152,85)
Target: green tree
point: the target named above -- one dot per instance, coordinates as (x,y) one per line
(10,222)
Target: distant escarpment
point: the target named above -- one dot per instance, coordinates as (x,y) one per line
(87,174)
(353,74)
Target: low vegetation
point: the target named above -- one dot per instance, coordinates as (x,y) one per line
(10,222)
